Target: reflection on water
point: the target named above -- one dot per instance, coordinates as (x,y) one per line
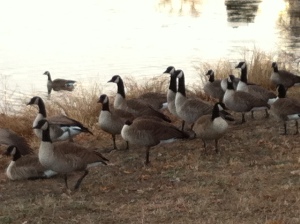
(241,11)
(184,7)
(289,24)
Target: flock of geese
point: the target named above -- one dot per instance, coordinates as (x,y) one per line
(142,121)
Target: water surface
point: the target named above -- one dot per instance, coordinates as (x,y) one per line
(92,40)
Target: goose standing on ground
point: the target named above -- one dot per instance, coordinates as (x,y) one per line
(134,106)
(285,78)
(149,132)
(213,87)
(66,157)
(172,90)
(62,127)
(211,127)
(255,90)
(109,121)
(189,110)
(285,109)
(59,84)
(243,102)
(25,167)
(9,137)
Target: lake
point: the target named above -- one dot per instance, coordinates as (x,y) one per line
(90,41)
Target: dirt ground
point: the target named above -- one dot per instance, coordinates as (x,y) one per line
(254,179)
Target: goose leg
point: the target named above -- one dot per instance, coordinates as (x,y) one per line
(296,125)
(80,179)
(127,145)
(114,141)
(216,146)
(243,117)
(192,126)
(66,181)
(147,162)
(267,113)
(182,125)
(204,145)
(252,114)
(284,126)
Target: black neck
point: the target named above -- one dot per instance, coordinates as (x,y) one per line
(281,91)
(121,90)
(181,85)
(244,77)
(230,85)
(215,112)
(49,77)
(212,78)
(42,108)
(275,68)
(46,135)
(17,155)
(105,106)
(173,84)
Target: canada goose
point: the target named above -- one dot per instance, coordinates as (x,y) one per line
(255,90)
(189,110)
(134,106)
(213,87)
(66,157)
(25,167)
(243,102)
(59,84)
(211,127)
(110,121)
(287,79)
(149,132)
(234,80)
(62,127)
(285,109)
(172,90)
(9,137)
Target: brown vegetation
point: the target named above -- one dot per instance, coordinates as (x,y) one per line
(255,178)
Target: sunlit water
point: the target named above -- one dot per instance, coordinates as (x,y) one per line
(92,40)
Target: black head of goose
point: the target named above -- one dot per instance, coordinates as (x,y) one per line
(66,157)
(243,102)
(25,167)
(211,127)
(189,109)
(9,137)
(233,79)
(149,132)
(213,87)
(62,127)
(137,107)
(285,109)
(59,84)
(283,77)
(111,121)
(171,93)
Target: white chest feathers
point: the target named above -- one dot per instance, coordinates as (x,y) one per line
(219,125)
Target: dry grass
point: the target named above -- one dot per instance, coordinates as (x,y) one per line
(255,178)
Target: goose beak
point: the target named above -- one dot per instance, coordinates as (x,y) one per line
(111,80)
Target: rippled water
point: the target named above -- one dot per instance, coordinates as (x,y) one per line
(92,40)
